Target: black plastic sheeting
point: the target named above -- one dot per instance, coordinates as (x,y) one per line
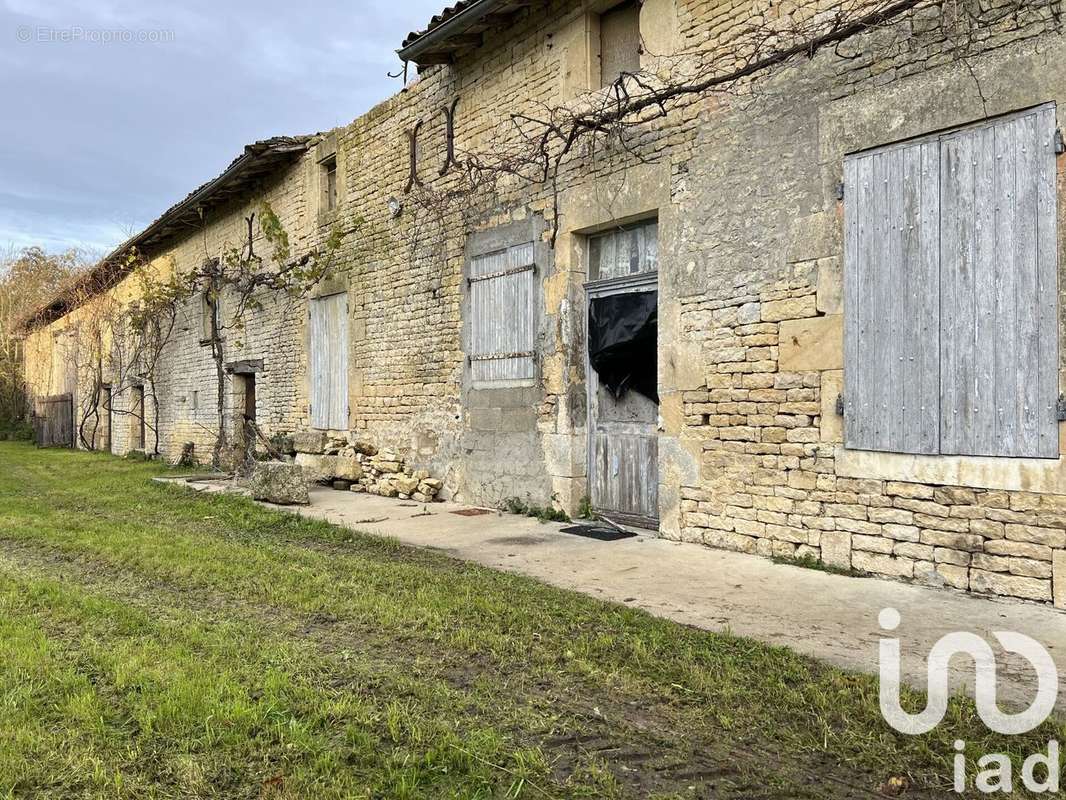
(623,348)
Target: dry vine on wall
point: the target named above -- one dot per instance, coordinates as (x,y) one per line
(532,149)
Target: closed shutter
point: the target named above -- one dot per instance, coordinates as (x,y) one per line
(891,285)
(999,331)
(329,362)
(502,316)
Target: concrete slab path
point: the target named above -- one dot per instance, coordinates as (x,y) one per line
(831,617)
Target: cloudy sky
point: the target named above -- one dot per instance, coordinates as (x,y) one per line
(116,109)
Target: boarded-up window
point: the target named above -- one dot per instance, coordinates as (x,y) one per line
(625,251)
(502,325)
(951,330)
(329,362)
(329,183)
(619,41)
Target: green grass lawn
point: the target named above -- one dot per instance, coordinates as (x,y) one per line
(155,642)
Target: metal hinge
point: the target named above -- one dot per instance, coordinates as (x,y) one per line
(840,191)
(501,273)
(1060,143)
(840,405)
(1060,409)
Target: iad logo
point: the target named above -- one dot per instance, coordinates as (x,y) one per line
(996,768)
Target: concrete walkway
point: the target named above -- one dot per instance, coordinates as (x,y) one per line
(831,617)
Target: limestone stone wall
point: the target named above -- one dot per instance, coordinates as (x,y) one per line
(773,477)
(744,187)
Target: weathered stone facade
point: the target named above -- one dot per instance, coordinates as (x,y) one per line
(744,188)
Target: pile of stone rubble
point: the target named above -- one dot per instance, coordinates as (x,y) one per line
(361,467)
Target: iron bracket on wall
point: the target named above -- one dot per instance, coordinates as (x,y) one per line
(449,153)
(1060,408)
(412,141)
(1060,143)
(840,405)
(840,192)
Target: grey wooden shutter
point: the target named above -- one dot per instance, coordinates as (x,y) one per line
(891,285)
(999,330)
(329,362)
(502,316)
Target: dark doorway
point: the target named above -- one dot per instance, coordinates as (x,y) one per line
(623,397)
(249,397)
(103,424)
(137,426)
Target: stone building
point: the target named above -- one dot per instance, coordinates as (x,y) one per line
(845,271)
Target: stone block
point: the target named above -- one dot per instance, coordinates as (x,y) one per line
(1051,537)
(316,467)
(956,541)
(951,496)
(313,442)
(812,237)
(830,296)
(872,544)
(914,491)
(347,469)
(882,564)
(919,552)
(812,344)
(1003,547)
(987,528)
(832,423)
(790,308)
(1031,568)
(279,482)
(990,563)
(1010,585)
(945,555)
(955,576)
(405,484)
(1059,578)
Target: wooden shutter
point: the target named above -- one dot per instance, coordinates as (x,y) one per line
(999,331)
(501,315)
(329,362)
(891,286)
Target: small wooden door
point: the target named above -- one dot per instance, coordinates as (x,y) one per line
(53,421)
(623,444)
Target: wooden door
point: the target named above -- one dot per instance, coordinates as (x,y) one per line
(623,431)
(329,362)
(53,421)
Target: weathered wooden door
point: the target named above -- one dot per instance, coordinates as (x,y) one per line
(329,362)
(53,421)
(623,426)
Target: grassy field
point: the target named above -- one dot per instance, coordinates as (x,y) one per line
(159,643)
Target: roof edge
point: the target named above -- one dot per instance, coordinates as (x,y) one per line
(112,268)
(466,15)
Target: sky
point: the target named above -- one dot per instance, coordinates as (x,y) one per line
(113,110)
